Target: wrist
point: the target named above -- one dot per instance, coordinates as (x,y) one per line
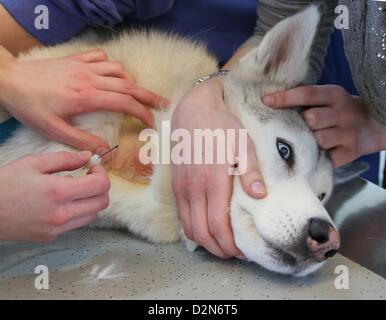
(7,61)
(6,58)
(372,137)
(215,88)
(215,77)
(379,136)
(217,83)
(205,95)
(211,83)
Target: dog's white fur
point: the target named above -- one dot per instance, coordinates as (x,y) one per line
(264,230)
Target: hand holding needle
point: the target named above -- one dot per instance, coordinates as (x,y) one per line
(96,159)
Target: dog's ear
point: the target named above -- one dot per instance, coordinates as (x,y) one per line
(281,60)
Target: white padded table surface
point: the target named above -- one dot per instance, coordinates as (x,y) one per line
(129,268)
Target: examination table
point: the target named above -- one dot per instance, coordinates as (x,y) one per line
(101,264)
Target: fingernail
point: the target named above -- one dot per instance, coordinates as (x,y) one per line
(319,137)
(241,257)
(258,188)
(85,154)
(268,100)
(164,103)
(310,120)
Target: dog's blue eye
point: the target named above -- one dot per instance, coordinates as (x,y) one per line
(285,151)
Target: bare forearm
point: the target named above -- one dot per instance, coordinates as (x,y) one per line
(377,137)
(12,36)
(6,59)
(13,40)
(382,143)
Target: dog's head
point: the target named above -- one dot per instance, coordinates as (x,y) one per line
(289,231)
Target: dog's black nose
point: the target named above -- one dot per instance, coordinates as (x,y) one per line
(319,230)
(323,241)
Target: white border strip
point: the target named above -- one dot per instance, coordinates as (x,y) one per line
(382,163)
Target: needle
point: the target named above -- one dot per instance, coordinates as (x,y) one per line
(96,159)
(108,151)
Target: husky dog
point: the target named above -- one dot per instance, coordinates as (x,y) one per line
(289,231)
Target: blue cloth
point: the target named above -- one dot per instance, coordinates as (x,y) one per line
(67,18)
(224,25)
(7,128)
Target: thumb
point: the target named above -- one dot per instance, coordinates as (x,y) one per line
(252,180)
(77,138)
(60,161)
(5,54)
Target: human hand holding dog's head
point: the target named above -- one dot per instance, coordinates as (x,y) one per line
(341,122)
(203,192)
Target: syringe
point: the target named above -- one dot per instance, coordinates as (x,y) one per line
(96,159)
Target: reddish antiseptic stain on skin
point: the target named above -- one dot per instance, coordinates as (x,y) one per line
(125,161)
